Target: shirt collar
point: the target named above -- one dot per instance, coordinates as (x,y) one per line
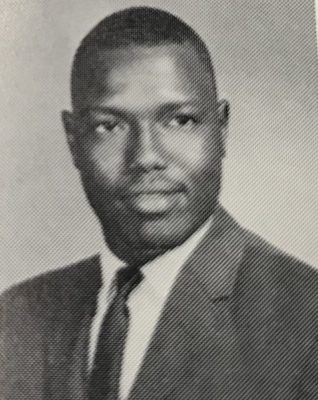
(166,265)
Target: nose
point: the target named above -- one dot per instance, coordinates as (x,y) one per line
(145,150)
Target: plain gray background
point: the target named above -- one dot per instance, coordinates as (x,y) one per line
(266,64)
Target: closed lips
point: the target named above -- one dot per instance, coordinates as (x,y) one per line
(154,201)
(154,193)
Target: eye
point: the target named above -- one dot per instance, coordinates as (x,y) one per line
(110,127)
(182,121)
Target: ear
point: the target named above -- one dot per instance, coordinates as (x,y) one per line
(70,131)
(223,118)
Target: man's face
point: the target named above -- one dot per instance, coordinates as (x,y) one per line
(147,140)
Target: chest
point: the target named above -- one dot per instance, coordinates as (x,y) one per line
(211,356)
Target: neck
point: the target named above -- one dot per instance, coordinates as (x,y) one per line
(134,256)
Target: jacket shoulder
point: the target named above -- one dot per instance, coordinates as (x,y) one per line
(285,273)
(53,289)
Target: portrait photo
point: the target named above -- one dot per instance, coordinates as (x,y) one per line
(159,200)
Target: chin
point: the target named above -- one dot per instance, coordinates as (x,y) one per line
(167,232)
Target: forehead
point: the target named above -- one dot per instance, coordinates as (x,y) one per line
(149,72)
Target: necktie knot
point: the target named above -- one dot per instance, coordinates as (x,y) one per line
(127,279)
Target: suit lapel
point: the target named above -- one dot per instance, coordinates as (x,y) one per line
(196,323)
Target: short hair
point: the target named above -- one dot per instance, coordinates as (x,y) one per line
(134,26)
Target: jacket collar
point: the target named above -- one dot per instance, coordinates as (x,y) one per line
(216,260)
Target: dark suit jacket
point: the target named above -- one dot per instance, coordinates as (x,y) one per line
(240,323)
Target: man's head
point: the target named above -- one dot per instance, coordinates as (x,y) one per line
(147,130)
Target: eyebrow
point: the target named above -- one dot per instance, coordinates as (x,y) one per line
(166,108)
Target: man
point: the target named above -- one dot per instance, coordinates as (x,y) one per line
(182,303)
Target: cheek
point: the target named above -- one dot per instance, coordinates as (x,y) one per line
(102,161)
(196,154)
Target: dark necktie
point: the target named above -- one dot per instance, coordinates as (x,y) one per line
(105,375)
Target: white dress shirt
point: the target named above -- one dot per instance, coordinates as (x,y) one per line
(145,303)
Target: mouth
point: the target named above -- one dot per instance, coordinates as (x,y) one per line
(155,202)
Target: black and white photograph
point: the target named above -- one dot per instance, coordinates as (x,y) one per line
(158,200)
